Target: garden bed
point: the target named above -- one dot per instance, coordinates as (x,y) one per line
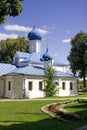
(56,111)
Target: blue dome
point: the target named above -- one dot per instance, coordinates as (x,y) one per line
(34,34)
(46,57)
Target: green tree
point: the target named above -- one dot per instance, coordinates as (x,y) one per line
(9,8)
(50,85)
(78,56)
(10,46)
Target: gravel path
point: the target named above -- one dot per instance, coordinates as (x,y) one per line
(35,99)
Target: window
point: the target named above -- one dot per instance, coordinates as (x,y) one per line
(29,85)
(9,85)
(63,85)
(71,86)
(40,86)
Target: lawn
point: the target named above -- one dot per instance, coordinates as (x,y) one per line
(26,115)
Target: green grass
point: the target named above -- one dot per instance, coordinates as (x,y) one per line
(79,107)
(26,115)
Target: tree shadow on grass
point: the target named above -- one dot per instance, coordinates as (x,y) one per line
(45,124)
(81,107)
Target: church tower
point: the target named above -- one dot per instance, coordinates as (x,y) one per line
(35,40)
(47,59)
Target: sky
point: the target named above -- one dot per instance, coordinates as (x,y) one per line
(57,20)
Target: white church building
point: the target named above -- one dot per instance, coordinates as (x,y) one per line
(24,77)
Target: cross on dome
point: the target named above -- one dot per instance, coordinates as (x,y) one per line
(34,34)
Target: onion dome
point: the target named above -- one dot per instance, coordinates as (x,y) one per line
(46,57)
(34,34)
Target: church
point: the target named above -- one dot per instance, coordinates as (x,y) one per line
(24,77)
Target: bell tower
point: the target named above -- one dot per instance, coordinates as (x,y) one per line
(35,40)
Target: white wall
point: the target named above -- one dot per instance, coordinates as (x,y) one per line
(35,92)
(34,46)
(19,85)
(60,68)
(19,61)
(67,91)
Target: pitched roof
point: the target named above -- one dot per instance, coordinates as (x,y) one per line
(6,68)
(22,54)
(35,58)
(28,70)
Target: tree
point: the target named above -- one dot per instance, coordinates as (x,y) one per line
(9,7)
(10,46)
(50,85)
(78,56)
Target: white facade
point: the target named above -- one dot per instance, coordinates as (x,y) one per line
(18,87)
(60,68)
(65,89)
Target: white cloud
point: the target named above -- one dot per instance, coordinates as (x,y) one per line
(4,36)
(66,40)
(43,32)
(17,28)
(22,29)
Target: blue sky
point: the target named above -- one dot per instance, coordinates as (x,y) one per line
(57,20)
